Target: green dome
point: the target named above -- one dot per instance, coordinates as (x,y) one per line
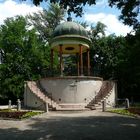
(70,28)
(70,35)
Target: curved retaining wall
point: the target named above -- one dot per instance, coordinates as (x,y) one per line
(72,89)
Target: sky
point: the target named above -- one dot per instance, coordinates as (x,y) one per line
(92,14)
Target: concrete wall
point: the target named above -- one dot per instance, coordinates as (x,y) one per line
(71,90)
(30,100)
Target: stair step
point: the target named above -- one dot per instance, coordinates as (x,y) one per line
(104,93)
(34,88)
(80,106)
(70,109)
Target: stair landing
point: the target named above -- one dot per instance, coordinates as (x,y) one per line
(71,106)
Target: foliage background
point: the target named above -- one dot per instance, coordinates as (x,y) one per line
(25,54)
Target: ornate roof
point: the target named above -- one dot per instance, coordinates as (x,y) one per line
(70,28)
(70,35)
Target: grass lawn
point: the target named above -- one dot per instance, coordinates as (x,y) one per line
(132,111)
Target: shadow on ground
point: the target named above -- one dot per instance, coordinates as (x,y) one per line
(75,128)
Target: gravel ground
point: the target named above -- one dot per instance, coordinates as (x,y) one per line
(76,125)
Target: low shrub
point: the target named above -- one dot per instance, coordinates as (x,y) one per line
(17,114)
(30,114)
(123,112)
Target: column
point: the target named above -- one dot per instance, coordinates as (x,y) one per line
(9,104)
(61,65)
(18,105)
(77,56)
(81,61)
(88,62)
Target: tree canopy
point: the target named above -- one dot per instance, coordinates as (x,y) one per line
(45,21)
(21,58)
(25,51)
(130,9)
(25,54)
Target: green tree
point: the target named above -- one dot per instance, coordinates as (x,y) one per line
(130,9)
(104,52)
(98,31)
(22,59)
(47,20)
(129,67)
(118,58)
(105,55)
(25,51)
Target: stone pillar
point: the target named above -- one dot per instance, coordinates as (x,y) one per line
(52,62)
(81,60)
(46,107)
(61,64)
(9,104)
(25,93)
(18,105)
(104,105)
(88,62)
(127,103)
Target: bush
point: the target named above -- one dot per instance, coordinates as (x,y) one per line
(30,114)
(123,112)
(6,113)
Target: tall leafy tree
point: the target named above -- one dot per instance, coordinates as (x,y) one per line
(98,31)
(22,59)
(130,9)
(129,67)
(117,58)
(105,55)
(25,51)
(104,51)
(46,20)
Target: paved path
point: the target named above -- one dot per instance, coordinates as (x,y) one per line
(86,125)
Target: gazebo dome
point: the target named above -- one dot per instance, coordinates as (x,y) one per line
(70,28)
(70,35)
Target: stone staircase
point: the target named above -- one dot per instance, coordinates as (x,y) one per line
(95,103)
(39,85)
(35,89)
(103,93)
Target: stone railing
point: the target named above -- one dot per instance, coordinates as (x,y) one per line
(35,90)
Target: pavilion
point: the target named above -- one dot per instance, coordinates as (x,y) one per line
(70,92)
